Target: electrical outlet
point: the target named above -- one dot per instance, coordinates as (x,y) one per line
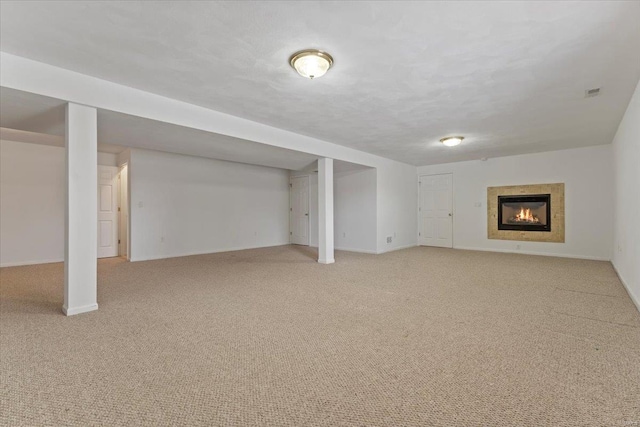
(389,239)
(477,204)
(344,234)
(162,239)
(140,204)
(518,247)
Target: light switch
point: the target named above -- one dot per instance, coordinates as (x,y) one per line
(477,204)
(140,204)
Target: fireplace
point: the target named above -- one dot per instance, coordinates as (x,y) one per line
(508,218)
(524,212)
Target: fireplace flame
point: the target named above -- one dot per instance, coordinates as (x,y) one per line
(525,215)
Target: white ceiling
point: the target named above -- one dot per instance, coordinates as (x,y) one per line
(41,116)
(29,112)
(510,76)
(26,117)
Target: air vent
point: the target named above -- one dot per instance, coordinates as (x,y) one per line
(590,93)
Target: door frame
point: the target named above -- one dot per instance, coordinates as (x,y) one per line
(453,204)
(115,195)
(126,223)
(308,207)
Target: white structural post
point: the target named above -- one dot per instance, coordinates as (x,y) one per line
(81,218)
(325,211)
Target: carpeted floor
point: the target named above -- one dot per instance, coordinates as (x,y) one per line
(418,337)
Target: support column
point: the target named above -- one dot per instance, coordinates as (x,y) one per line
(325,211)
(81,216)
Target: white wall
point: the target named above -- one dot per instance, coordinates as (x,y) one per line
(397,207)
(626,162)
(586,173)
(32,198)
(370,205)
(183,205)
(355,210)
(396,192)
(32,181)
(107,159)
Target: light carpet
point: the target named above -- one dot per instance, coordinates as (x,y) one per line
(268,337)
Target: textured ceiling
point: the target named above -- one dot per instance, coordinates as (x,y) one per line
(41,117)
(510,76)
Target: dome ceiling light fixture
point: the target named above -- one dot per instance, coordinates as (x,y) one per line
(311,63)
(452,141)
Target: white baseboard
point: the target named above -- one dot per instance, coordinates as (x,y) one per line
(215,251)
(19,263)
(79,310)
(399,248)
(361,251)
(367,251)
(634,298)
(326,261)
(509,251)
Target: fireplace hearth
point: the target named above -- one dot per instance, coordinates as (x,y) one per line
(525,212)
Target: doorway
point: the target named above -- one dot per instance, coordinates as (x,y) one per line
(107,211)
(299,210)
(123,211)
(435,210)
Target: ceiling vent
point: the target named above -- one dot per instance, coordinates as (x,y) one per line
(590,93)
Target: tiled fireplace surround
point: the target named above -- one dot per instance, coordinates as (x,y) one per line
(556,234)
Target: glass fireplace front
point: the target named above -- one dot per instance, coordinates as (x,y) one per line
(525,213)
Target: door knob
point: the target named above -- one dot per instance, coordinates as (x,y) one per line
(306,214)
(450,214)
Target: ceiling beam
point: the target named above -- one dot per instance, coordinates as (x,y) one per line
(36,77)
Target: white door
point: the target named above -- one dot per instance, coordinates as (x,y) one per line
(436,210)
(107,211)
(299,210)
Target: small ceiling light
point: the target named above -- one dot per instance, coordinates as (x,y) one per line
(311,63)
(452,141)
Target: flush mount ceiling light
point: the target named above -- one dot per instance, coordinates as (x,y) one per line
(452,141)
(311,63)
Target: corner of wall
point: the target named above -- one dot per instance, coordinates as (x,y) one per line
(626,207)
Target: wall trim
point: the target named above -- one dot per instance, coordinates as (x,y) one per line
(369,251)
(361,251)
(399,248)
(79,310)
(234,249)
(20,263)
(635,299)
(508,251)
